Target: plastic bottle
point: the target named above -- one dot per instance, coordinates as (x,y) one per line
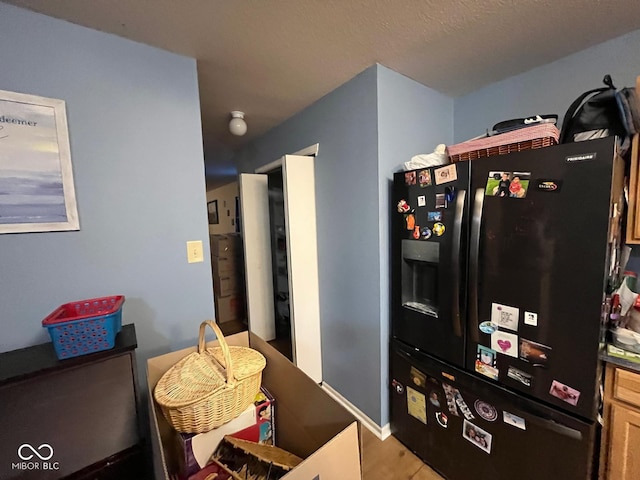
(616,309)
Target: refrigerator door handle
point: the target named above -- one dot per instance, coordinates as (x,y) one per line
(455,261)
(554,426)
(558,428)
(476,223)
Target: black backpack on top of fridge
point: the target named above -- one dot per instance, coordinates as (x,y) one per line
(603,112)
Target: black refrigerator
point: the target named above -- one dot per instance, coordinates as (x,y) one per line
(500,267)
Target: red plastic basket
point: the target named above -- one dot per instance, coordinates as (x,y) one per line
(85,326)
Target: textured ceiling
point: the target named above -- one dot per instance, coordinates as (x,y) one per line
(273,58)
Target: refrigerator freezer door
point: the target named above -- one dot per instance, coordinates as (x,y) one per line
(429,238)
(538,261)
(465,427)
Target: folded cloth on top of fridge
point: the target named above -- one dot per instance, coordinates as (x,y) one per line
(424,160)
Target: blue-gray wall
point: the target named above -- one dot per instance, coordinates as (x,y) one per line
(548,89)
(412,119)
(136,148)
(344,124)
(366,129)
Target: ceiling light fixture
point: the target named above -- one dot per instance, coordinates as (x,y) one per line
(237,125)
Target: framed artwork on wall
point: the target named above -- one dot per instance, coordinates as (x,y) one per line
(212,207)
(37,192)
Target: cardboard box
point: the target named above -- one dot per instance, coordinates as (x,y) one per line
(227,245)
(225,266)
(226,286)
(254,424)
(229,308)
(309,423)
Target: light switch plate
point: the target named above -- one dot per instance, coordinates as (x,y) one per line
(194,251)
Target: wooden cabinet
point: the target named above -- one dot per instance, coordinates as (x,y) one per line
(620,458)
(633,213)
(624,454)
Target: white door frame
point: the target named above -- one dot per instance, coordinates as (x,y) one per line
(302,256)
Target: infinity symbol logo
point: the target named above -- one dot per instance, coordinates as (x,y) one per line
(29,456)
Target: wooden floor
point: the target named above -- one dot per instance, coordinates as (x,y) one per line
(232,327)
(391,460)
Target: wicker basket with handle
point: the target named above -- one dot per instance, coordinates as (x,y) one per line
(211,386)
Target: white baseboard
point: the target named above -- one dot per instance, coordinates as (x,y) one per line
(380,432)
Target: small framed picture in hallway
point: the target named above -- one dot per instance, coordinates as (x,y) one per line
(212,207)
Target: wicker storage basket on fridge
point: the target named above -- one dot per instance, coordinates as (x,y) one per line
(211,386)
(528,138)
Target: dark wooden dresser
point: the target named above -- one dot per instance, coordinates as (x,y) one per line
(75,418)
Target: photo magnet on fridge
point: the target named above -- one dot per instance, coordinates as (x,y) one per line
(433,399)
(486,362)
(419,378)
(498,184)
(519,376)
(476,435)
(434,216)
(487,355)
(466,411)
(416,405)
(505,316)
(564,393)
(531,319)
(486,411)
(424,178)
(508,184)
(505,343)
(535,353)
(514,420)
(519,184)
(422,201)
(451,403)
(441,201)
(410,178)
(446,174)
